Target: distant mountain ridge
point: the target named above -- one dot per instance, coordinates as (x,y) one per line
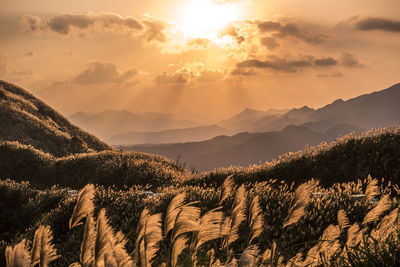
(242,149)
(108,123)
(376,109)
(29,121)
(170,136)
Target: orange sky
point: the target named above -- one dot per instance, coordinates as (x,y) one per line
(208,57)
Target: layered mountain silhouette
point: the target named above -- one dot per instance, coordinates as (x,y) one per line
(269,135)
(170,136)
(244,148)
(109,123)
(30,121)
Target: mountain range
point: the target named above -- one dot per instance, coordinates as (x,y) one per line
(270,135)
(108,123)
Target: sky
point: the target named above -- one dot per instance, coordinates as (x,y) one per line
(203,58)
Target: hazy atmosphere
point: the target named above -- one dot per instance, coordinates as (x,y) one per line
(204,59)
(199,133)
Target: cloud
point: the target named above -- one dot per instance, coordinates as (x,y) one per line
(350,61)
(33,23)
(97,73)
(375,23)
(155,30)
(65,24)
(325,62)
(3,65)
(276,63)
(234,32)
(29,54)
(243,72)
(269,42)
(210,76)
(171,78)
(282,30)
(198,42)
(282,64)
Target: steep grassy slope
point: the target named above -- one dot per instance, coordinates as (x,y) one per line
(28,120)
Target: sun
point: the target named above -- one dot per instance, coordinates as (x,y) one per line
(200,18)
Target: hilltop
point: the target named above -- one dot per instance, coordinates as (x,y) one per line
(39,145)
(28,120)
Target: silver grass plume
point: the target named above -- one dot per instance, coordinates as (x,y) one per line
(122,258)
(387,226)
(104,238)
(209,227)
(177,248)
(372,189)
(140,232)
(226,189)
(43,250)
(383,205)
(18,255)
(352,234)
(269,254)
(237,217)
(249,257)
(301,199)
(84,205)
(186,221)
(87,245)
(255,219)
(172,211)
(152,238)
(343,220)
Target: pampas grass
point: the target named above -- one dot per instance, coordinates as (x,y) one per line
(343,220)
(301,199)
(18,255)
(43,251)
(383,205)
(83,207)
(256,221)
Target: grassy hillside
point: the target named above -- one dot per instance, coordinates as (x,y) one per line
(28,120)
(376,152)
(109,168)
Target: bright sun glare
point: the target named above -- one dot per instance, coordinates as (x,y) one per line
(200,18)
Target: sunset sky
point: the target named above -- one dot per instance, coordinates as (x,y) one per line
(206,57)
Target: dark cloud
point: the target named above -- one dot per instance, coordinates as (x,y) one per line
(171,78)
(326,62)
(64,24)
(3,65)
(276,63)
(97,73)
(350,61)
(282,30)
(269,42)
(243,72)
(29,54)
(383,24)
